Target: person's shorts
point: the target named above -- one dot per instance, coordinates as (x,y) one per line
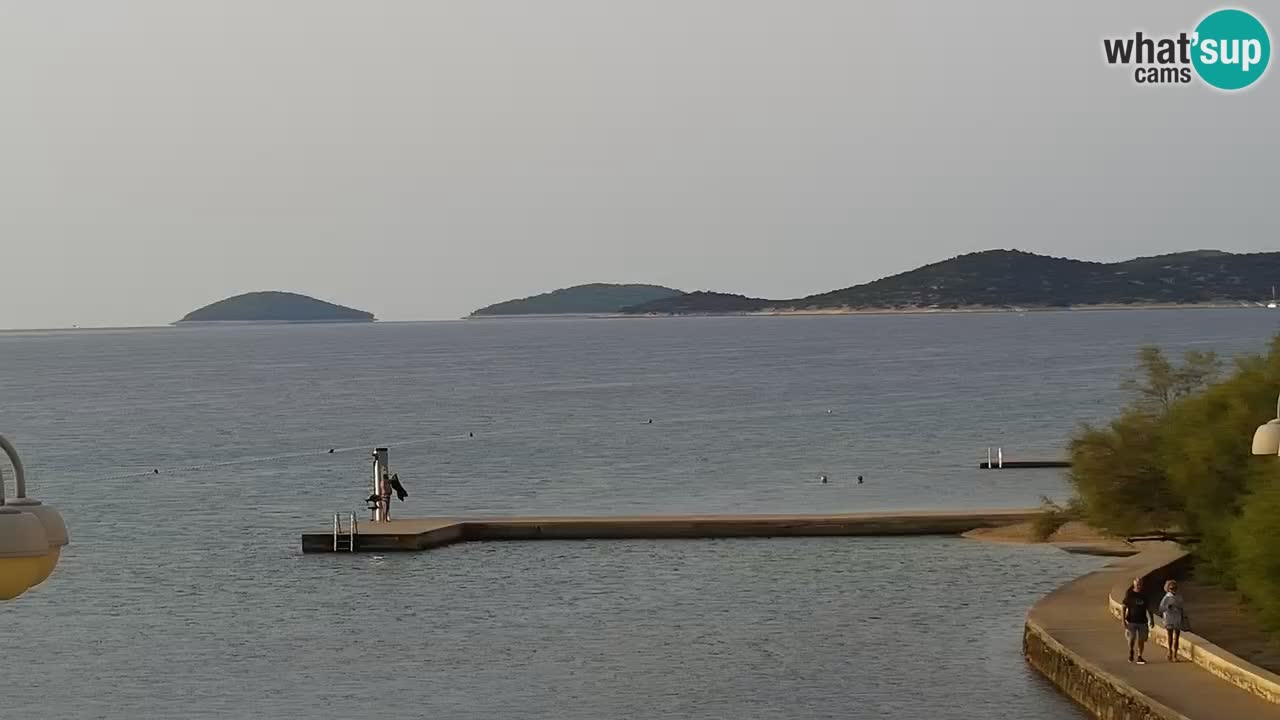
(1136,630)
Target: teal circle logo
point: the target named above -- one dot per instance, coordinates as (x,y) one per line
(1232,49)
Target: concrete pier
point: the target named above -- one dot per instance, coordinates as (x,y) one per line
(1024,464)
(426,533)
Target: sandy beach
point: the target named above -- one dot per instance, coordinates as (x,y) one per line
(1074,536)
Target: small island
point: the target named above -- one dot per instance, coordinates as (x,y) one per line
(592,299)
(275,306)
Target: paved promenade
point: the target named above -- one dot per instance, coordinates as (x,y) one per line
(1077,615)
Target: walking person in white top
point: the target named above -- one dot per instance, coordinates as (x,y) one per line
(1175,617)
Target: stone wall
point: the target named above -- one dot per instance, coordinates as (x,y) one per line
(1102,694)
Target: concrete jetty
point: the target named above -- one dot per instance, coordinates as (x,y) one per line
(412,535)
(1024,464)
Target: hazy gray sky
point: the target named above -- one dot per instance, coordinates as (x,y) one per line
(419,159)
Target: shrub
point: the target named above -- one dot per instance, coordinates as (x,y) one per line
(1117,475)
(1256,540)
(1178,457)
(1052,516)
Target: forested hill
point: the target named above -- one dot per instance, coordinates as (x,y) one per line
(581,299)
(1005,278)
(273,306)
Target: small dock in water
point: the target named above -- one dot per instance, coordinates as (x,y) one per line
(1024,464)
(416,535)
(996,461)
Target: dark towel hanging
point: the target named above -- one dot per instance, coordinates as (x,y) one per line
(400,491)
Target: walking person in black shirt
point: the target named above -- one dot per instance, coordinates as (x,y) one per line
(1137,620)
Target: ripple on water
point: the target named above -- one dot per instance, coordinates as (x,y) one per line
(785,628)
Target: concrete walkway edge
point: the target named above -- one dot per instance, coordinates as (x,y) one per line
(1107,701)
(1073,639)
(1169,562)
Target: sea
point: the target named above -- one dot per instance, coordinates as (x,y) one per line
(187,462)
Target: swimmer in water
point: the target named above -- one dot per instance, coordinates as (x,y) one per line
(823,478)
(859,479)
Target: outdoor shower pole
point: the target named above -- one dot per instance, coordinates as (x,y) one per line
(380,467)
(377,496)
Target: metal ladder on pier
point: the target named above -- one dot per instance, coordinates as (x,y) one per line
(345,542)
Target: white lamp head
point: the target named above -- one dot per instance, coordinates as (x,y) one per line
(55,531)
(1266,439)
(23,550)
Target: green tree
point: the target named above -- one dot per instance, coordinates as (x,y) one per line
(1206,455)
(1179,455)
(1256,538)
(1160,383)
(1117,475)
(1117,470)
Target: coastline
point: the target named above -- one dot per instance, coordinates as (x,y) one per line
(321,321)
(968,310)
(1072,537)
(1105,307)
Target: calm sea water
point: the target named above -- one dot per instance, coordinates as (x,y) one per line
(184,594)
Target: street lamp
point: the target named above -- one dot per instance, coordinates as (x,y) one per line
(23,548)
(1266,439)
(32,534)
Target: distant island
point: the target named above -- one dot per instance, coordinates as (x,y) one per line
(274,306)
(1012,279)
(596,298)
(987,280)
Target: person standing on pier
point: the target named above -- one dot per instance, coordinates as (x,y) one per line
(1138,617)
(384,492)
(387,485)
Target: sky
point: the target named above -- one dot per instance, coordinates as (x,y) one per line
(419,158)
